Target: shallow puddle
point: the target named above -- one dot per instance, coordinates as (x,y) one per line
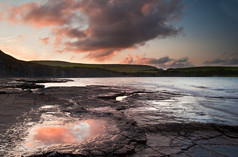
(120,98)
(47,106)
(64,134)
(60,130)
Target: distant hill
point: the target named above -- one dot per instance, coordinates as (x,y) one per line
(205,71)
(11,67)
(120,68)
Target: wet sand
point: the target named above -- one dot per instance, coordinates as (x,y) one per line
(102,121)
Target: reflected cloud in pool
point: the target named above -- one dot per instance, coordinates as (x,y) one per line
(61,131)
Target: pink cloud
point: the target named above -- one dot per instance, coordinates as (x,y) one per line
(102,55)
(45,40)
(101,28)
(53,12)
(127,60)
(163,62)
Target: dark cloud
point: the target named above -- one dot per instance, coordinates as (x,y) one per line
(218,61)
(184,59)
(67,32)
(112,25)
(163,62)
(178,64)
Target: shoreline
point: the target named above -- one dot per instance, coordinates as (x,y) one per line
(138,132)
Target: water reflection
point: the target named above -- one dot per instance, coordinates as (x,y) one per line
(120,98)
(61,135)
(215,95)
(50,135)
(61,131)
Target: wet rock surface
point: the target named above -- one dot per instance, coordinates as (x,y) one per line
(142,123)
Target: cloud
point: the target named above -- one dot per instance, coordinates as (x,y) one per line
(218,61)
(11,39)
(102,55)
(102,28)
(67,32)
(45,40)
(117,25)
(52,12)
(127,60)
(163,62)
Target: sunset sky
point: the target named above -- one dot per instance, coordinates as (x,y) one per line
(163,33)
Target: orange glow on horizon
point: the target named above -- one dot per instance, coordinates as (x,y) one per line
(19,52)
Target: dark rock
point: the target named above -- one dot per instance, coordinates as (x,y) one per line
(57,154)
(131,132)
(44,80)
(29,86)
(3,92)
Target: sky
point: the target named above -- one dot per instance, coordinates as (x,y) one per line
(162,33)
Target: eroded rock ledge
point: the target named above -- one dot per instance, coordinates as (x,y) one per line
(140,132)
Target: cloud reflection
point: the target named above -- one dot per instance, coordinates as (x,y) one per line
(51,135)
(69,133)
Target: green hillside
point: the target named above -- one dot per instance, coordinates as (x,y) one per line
(203,71)
(11,67)
(122,68)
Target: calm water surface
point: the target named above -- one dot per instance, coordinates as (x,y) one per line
(213,99)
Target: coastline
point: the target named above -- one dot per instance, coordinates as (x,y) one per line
(138,132)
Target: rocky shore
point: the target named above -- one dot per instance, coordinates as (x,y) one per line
(133,126)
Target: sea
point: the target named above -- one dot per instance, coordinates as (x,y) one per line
(206,100)
(192,99)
